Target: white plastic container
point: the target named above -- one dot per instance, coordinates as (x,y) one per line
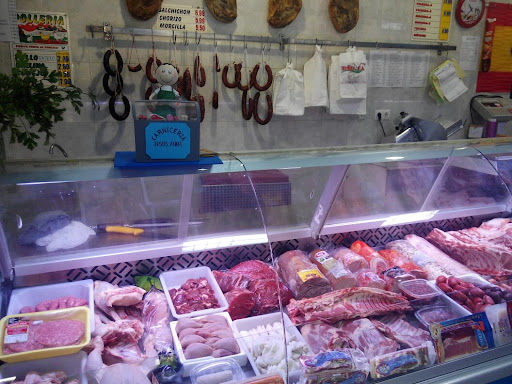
(240,358)
(217,372)
(475,279)
(174,279)
(500,322)
(32,296)
(73,365)
(263,320)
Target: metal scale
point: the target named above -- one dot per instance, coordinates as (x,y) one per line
(495,113)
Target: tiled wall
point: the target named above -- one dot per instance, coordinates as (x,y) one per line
(94,134)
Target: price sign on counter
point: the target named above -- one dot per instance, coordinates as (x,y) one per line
(181,18)
(431,20)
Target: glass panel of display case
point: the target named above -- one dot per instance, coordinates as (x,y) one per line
(126,219)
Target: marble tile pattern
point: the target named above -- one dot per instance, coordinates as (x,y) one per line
(95,134)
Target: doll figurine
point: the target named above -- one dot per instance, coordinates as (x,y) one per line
(167,77)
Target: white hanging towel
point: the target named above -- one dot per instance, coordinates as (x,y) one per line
(342,106)
(352,72)
(315,81)
(288,92)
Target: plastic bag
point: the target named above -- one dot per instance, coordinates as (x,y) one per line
(315,81)
(155,317)
(339,106)
(289,92)
(352,74)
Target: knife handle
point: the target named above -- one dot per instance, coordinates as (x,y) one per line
(127,230)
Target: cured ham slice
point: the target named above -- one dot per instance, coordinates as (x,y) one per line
(368,338)
(486,249)
(322,337)
(346,304)
(395,327)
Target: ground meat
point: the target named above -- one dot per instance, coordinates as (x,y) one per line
(193,295)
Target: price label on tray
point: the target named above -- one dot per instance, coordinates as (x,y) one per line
(16,331)
(184,18)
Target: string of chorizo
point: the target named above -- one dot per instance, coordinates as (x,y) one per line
(248,86)
(149,66)
(255,79)
(215,100)
(187,84)
(247,109)
(200,100)
(199,72)
(269,112)
(225,80)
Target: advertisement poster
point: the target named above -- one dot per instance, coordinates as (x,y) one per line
(44,37)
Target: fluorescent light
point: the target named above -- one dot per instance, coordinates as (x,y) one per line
(223,242)
(409,218)
(395,158)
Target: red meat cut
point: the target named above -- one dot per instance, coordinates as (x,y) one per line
(241,302)
(254,269)
(265,292)
(228,280)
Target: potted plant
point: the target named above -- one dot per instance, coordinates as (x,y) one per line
(30,99)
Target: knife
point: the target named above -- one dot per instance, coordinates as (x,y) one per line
(117,229)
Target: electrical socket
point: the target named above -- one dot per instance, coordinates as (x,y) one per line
(384,113)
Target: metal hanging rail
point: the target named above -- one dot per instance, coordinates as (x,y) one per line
(109,30)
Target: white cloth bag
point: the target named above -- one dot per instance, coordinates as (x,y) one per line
(352,72)
(288,92)
(315,81)
(339,106)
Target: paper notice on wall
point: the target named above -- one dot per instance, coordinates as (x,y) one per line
(398,69)
(8,28)
(449,82)
(469,53)
(181,17)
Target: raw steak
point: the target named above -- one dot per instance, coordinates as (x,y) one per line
(397,328)
(486,249)
(254,269)
(454,267)
(322,337)
(302,277)
(241,302)
(223,10)
(266,295)
(344,14)
(368,338)
(345,304)
(283,12)
(229,280)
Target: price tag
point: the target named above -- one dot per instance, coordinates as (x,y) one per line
(431,20)
(64,69)
(181,18)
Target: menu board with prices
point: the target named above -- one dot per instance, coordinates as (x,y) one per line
(186,18)
(8,29)
(44,38)
(432,20)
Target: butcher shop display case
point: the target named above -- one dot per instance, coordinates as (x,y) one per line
(312,242)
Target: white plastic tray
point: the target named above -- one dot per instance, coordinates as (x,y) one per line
(174,279)
(452,304)
(32,296)
(240,358)
(271,318)
(73,365)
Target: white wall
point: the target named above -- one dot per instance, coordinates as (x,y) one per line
(95,134)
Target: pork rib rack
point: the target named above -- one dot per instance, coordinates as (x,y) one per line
(347,303)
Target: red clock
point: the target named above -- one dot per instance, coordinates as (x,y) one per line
(470,12)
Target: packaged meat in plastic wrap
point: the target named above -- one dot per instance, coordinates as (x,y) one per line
(394,276)
(339,277)
(350,259)
(376,262)
(155,317)
(396,259)
(402,361)
(367,278)
(323,337)
(337,366)
(302,277)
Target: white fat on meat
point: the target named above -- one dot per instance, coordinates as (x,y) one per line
(395,327)
(368,338)
(266,345)
(322,337)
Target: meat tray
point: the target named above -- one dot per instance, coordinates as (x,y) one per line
(78,313)
(34,295)
(240,358)
(174,279)
(443,301)
(73,365)
(263,320)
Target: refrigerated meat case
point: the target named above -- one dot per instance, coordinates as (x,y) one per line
(257,206)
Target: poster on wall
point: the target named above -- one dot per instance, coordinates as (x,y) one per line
(8,29)
(431,20)
(495,72)
(44,37)
(181,17)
